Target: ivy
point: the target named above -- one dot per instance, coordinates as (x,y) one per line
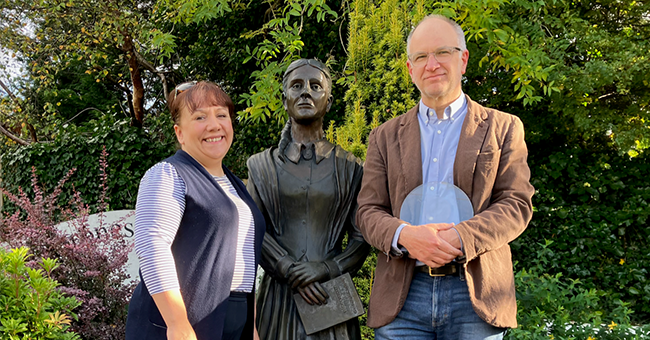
(131,152)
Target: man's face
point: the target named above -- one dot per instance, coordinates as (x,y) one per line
(307,97)
(437,82)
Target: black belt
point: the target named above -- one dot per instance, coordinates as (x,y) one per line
(451,269)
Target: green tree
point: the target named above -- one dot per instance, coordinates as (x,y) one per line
(377,77)
(585,59)
(575,72)
(216,47)
(65,39)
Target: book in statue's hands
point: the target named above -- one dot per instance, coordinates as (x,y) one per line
(342,305)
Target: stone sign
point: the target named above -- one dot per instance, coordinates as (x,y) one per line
(125,218)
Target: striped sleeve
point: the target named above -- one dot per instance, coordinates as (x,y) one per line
(158,213)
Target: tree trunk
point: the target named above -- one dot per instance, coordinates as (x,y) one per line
(32,131)
(136,80)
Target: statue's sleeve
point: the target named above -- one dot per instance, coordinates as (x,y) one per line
(275,260)
(354,255)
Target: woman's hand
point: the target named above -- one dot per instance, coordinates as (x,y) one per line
(171,307)
(256,336)
(304,273)
(314,293)
(181,332)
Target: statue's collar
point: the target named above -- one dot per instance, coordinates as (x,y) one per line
(320,149)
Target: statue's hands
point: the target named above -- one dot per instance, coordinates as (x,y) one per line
(303,273)
(314,293)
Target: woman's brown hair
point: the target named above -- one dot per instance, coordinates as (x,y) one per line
(201,94)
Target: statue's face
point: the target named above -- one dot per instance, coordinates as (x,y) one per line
(307,97)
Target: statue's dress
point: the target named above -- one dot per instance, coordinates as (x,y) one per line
(308,196)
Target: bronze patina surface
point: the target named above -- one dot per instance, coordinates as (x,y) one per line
(307,188)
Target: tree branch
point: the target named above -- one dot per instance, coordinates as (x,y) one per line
(11,95)
(13,137)
(82,111)
(607,95)
(147,65)
(30,127)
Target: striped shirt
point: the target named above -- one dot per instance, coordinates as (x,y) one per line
(244,276)
(158,213)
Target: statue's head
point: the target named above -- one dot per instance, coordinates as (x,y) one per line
(307,94)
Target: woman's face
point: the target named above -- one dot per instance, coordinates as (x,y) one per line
(307,97)
(206,134)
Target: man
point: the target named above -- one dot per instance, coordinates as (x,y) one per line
(463,284)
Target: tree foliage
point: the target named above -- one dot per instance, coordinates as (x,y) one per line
(106,41)
(587,57)
(31,305)
(173,41)
(574,72)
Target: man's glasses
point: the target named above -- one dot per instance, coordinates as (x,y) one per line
(442,55)
(183,87)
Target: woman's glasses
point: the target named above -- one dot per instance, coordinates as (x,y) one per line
(183,87)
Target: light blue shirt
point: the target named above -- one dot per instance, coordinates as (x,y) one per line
(439,143)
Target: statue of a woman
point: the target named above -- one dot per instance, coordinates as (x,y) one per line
(307,189)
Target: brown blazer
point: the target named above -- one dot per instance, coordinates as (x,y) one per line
(490,168)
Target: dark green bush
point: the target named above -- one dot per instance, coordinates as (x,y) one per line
(593,204)
(30,305)
(551,306)
(131,152)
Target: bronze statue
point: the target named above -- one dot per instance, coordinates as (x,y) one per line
(307,189)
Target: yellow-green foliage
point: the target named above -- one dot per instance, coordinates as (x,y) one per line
(378,81)
(379,86)
(30,305)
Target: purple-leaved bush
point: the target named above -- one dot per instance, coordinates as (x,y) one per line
(92,259)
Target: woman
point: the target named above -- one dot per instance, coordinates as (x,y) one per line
(197,231)
(307,189)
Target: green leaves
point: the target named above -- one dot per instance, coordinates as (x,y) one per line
(282,45)
(30,305)
(593,204)
(195,11)
(132,151)
(553,306)
(166,42)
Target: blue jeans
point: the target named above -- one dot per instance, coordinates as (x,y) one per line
(438,308)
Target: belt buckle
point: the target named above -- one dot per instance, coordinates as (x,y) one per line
(434,275)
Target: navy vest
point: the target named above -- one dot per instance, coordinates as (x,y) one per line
(204,253)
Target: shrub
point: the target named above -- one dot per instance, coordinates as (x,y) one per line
(553,307)
(30,305)
(594,205)
(131,152)
(92,260)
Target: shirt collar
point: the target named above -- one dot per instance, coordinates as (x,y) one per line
(321,148)
(452,111)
